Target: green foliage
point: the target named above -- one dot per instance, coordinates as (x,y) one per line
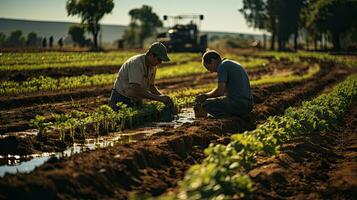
(40,124)
(77,34)
(48,84)
(143,25)
(2,38)
(32,39)
(350,61)
(44,60)
(335,16)
(91,12)
(15,39)
(189,68)
(280,17)
(221,174)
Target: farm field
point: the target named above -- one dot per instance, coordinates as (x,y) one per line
(54,117)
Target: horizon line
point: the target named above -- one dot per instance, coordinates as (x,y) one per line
(37,20)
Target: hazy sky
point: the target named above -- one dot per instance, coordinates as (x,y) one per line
(220,15)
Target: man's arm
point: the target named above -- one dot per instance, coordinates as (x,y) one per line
(154,90)
(138,92)
(217,92)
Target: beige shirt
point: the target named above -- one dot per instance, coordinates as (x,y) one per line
(134,71)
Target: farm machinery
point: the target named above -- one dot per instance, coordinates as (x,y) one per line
(184,37)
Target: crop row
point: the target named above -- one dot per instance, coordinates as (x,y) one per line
(50,84)
(104,119)
(347,60)
(222,174)
(44,60)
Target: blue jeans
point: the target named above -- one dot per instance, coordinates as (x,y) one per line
(224,106)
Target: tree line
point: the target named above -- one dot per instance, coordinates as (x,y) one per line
(143,22)
(318,19)
(17,39)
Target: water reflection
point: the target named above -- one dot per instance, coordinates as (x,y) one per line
(24,164)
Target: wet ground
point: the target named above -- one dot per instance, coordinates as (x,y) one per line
(26,163)
(318,166)
(156,163)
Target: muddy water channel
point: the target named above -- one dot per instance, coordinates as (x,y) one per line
(24,164)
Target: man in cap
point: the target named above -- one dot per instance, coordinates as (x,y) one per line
(232,96)
(135,80)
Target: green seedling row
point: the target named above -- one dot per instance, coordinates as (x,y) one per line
(45,60)
(105,120)
(248,62)
(222,174)
(346,60)
(51,84)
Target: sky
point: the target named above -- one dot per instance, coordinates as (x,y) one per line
(218,16)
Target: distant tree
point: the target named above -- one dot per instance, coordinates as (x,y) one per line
(144,21)
(32,39)
(313,34)
(260,14)
(44,42)
(279,17)
(91,12)
(334,16)
(50,42)
(2,38)
(15,39)
(77,34)
(60,42)
(131,36)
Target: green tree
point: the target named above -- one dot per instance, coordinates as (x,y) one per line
(2,38)
(15,39)
(312,32)
(32,39)
(91,12)
(77,34)
(279,17)
(335,17)
(143,22)
(131,35)
(261,14)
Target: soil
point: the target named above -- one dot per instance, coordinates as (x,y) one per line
(22,75)
(317,166)
(157,163)
(17,110)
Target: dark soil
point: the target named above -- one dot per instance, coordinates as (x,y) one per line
(17,110)
(22,75)
(317,166)
(157,163)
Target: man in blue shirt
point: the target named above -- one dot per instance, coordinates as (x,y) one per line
(233,95)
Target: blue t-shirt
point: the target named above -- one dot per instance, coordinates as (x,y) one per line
(236,79)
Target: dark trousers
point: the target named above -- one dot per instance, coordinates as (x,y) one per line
(222,107)
(116,97)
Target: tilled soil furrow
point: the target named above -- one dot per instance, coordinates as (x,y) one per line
(318,166)
(22,75)
(17,119)
(152,165)
(35,98)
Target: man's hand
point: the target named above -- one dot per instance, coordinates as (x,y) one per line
(201,98)
(166,100)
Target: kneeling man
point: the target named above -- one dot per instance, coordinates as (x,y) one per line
(233,95)
(135,80)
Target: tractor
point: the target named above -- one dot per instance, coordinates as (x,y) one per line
(184,37)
